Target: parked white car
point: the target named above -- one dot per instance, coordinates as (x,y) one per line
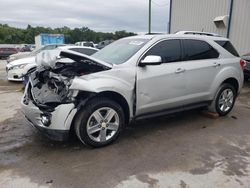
(85,43)
(18,68)
(21,55)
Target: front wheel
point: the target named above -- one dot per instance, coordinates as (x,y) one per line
(100,122)
(224,100)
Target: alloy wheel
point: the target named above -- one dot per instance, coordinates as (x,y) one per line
(226,100)
(103,124)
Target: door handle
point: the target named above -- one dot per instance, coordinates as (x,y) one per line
(179,70)
(215,64)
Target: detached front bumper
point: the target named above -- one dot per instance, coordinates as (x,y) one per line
(53,123)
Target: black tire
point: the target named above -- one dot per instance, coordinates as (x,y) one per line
(215,106)
(86,113)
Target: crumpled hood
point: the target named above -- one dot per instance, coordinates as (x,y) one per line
(51,57)
(26,60)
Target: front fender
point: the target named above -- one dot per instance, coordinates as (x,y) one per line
(119,81)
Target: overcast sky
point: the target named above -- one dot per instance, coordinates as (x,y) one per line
(100,15)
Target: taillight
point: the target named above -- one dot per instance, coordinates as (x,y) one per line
(243,64)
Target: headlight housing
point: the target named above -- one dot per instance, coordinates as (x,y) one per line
(18,66)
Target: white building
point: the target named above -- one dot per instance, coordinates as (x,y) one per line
(229,18)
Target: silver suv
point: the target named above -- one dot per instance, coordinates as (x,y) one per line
(133,78)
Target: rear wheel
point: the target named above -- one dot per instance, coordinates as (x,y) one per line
(100,122)
(224,100)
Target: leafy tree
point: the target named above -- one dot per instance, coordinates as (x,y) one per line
(12,35)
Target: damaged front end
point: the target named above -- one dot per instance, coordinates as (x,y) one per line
(48,89)
(48,102)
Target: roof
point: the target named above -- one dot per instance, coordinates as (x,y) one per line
(188,36)
(198,33)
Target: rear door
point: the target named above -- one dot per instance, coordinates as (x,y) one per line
(202,64)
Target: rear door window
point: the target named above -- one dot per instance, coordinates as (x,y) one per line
(198,50)
(227,45)
(169,50)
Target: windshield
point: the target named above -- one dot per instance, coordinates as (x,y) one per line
(35,52)
(120,51)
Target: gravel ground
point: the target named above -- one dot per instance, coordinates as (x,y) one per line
(184,150)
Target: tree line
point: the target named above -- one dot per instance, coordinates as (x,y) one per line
(13,35)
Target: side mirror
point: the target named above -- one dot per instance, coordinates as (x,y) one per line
(151,60)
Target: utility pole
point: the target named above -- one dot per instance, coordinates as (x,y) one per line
(149,17)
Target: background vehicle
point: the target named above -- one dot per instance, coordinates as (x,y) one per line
(85,43)
(32,47)
(46,39)
(6,51)
(246,57)
(16,69)
(133,78)
(102,44)
(25,48)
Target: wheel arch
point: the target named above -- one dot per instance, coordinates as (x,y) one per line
(232,81)
(228,74)
(84,97)
(119,99)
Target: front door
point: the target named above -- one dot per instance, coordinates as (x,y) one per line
(163,86)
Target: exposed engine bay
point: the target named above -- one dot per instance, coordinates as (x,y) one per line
(49,85)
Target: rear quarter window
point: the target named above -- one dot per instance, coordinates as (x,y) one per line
(227,45)
(198,50)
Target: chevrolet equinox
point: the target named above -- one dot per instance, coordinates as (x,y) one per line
(133,78)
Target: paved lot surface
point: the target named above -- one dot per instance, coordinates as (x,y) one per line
(185,150)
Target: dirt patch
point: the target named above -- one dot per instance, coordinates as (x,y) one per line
(10,103)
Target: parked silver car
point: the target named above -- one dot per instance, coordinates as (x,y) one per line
(132,78)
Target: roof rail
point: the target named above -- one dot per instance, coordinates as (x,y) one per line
(155,33)
(198,33)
